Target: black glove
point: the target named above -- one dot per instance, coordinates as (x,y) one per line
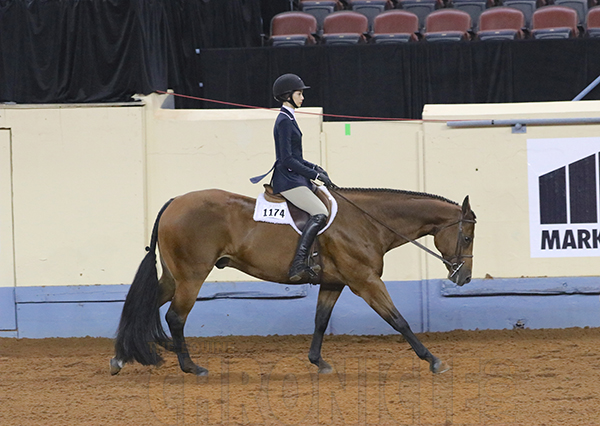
(321,171)
(323,177)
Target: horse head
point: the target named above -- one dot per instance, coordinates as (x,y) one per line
(455,241)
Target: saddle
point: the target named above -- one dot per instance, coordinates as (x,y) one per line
(300,218)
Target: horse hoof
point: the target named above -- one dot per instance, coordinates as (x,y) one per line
(195,370)
(115,366)
(438,366)
(325,368)
(201,371)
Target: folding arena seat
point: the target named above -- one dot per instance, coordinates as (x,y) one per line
(525,6)
(320,9)
(551,22)
(448,25)
(593,22)
(501,23)
(473,7)
(370,8)
(580,6)
(293,29)
(421,8)
(345,27)
(395,26)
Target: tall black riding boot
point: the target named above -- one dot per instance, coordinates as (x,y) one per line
(300,271)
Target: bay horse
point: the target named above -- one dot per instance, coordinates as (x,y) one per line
(203,229)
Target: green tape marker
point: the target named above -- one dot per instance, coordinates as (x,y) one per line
(347,129)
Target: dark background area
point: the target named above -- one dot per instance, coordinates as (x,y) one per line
(68,51)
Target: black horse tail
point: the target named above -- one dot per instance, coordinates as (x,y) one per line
(140,327)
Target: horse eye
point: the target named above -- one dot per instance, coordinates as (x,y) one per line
(467,239)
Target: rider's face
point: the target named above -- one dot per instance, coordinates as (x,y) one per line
(298,97)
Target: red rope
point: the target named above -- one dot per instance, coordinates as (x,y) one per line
(300,112)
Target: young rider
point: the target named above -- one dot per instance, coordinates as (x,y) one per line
(292,173)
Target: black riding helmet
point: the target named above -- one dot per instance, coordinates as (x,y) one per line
(285,85)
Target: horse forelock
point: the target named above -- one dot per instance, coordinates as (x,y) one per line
(400,192)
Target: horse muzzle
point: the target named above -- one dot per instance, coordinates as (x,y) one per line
(459,274)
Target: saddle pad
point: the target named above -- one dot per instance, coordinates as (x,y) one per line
(266,211)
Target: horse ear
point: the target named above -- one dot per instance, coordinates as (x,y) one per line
(466,206)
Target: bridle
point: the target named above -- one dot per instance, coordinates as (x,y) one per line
(458,256)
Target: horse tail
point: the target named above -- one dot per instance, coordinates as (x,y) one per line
(140,327)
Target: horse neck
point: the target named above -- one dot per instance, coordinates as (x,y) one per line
(409,214)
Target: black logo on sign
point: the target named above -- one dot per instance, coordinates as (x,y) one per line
(581,205)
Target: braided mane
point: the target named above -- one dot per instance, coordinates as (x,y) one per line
(399,191)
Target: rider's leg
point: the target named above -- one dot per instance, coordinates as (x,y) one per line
(305,199)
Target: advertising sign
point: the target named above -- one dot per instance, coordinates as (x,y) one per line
(563,197)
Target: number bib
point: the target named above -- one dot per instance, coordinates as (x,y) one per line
(266,211)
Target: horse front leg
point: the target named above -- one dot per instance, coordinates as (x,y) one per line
(376,295)
(328,295)
(181,305)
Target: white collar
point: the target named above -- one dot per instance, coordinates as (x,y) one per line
(291,110)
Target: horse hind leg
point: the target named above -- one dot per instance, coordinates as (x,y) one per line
(181,305)
(328,296)
(376,295)
(166,285)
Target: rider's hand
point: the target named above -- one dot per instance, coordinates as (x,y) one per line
(323,177)
(321,171)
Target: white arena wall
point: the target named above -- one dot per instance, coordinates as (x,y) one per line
(80,187)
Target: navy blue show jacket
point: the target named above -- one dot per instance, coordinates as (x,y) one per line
(291,170)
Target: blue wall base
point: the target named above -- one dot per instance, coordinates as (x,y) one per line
(268,308)
(513,311)
(8,316)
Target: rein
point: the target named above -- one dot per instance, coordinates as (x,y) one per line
(455,266)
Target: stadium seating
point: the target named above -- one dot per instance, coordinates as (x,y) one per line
(378,22)
(370,8)
(421,8)
(552,22)
(593,22)
(447,25)
(501,23)
(525,6)
(473,8)
(580,6)
(345,27)
(293,29)
(395,26)
(320,9)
